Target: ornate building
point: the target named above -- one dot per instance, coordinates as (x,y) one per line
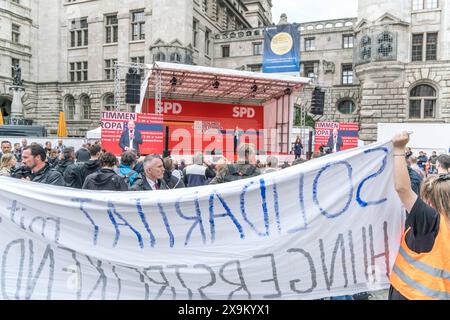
(389,64)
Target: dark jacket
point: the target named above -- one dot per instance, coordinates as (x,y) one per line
(105,179)
(63,165)
(125,140)
(233,172)
(88,168)
(143,185)
(416,180)
(339,143)
(172,181)
(47,175)
(298,148)
(82,155)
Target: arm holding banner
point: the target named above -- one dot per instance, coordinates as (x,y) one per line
(401,176)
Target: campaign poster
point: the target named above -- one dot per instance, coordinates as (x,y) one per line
(281,49)
(207,126)
(126,131)
(331,137)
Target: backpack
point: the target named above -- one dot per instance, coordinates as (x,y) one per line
(126,177)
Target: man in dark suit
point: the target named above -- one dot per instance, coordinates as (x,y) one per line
(131,138)
(335,142)
(153,176)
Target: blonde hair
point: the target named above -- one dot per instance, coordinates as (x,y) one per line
(426,189)
(6,160)
(440,195)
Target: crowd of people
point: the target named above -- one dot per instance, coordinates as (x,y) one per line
(93,168)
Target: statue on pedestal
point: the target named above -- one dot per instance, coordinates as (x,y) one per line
(18,91)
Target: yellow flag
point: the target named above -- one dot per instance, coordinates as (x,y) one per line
(62,127)
(1,118)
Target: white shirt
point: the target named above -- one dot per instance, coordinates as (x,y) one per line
(131,140)
(335,144)
(151,183)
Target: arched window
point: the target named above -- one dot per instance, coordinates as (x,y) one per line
(346,106)
(366,48)
(422,102)
(108,102)
(160,56)
(385,45)
(69,106)
(85,107)
(175,57)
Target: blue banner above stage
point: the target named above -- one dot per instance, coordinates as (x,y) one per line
(281,49)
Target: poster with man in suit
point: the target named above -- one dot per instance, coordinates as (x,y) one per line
(131,139)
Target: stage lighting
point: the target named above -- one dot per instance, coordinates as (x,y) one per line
(216,84)
(174,81)
(254,88)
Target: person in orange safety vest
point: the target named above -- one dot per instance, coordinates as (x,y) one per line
(422,267)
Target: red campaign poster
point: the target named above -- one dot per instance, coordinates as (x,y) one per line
(337,136)
(122,131)
(186,119)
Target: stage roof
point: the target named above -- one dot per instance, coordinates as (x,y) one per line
(199,83)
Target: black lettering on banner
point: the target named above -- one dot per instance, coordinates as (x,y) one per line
(142,280)
(44,221)
(210,284)
(366,261)
(32,280)
(352,255)
(164,284)
(312,271)
(119,282)
(274,279)
(241,285)
(339,243)
(21,243)
(177,272)
(79,274)
(101,278)
(384,254)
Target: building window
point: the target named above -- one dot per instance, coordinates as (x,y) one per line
(422,102)
(78,71)
(225,51)
(79,33)
(430,47)
(14,62)
(109,68)
(347,74)
(432,4)
(205,5)
(195,33)
(207,41)
(310,44)
(366,48)
(160,57)
(16,1)
(308,70)
(112,29)
(347,41)
(417,47)
(175,57)
(140,60)
(425,4)
(431,53)
(86,107)
(15,36)
(418,4)
(138,25)
(108,102)
(257,49)
(346,107)
(385,45)
(70,107)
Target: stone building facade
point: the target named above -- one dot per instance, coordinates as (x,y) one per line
(389,64)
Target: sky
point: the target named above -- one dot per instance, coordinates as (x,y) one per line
(314,10)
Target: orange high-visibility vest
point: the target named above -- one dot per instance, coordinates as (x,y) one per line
(424,276)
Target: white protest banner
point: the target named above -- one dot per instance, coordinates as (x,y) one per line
(325,228)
